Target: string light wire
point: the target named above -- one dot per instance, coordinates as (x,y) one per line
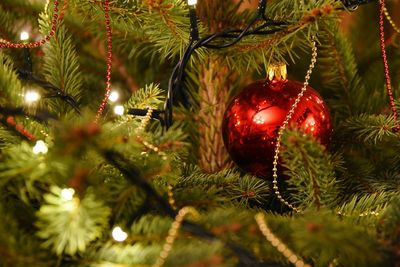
(267,27)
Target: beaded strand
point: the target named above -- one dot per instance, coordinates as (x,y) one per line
(277,243)
(389,18)
(386,66)
(285,124)
(173,233)
(6,44)
(109,58)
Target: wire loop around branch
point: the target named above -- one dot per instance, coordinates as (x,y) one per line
(269,26)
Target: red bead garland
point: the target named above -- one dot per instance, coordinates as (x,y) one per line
(385,64)
(41,42)
(109,59)
(19,128)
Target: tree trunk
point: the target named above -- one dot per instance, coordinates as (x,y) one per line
(215,80)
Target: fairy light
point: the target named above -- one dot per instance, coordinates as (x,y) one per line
(31,96)
(114,96)
(67,194)
(24,36)
(118,234)
(40,147)
(192,2)
(119,110)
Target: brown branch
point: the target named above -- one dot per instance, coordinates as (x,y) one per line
(307,19)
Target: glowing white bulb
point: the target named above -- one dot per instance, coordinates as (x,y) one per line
(192,2)
(67,194)
(40,148)
(24,36)
(32,96)
(118,234)
(119,110)
(114,96)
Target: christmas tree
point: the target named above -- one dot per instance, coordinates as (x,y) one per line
(168,133)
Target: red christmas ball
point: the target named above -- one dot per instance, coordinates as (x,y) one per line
(252,120)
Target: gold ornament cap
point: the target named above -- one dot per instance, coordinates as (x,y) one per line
(276,71)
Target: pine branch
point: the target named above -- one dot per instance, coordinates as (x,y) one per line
(69,225)
(310,169)
(133,175)
(391,221)
(17,246)
(365,208)
(148,96)
(10,85)
(312,235)
(368,129)
(227,185)
(349,93)
(61,52)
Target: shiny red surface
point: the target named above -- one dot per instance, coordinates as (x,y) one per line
(252,120)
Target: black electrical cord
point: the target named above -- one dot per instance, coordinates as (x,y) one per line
(135,177)
(54,92)
(177,78)
(353,4)
(176,81)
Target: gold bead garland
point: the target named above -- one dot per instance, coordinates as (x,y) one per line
(145,120)
(364,214)
(173,233)
(46,135)
(171,199)
(141,128)
(277,243)
(283,128)
(262,224)
(285,124)
(389,18)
